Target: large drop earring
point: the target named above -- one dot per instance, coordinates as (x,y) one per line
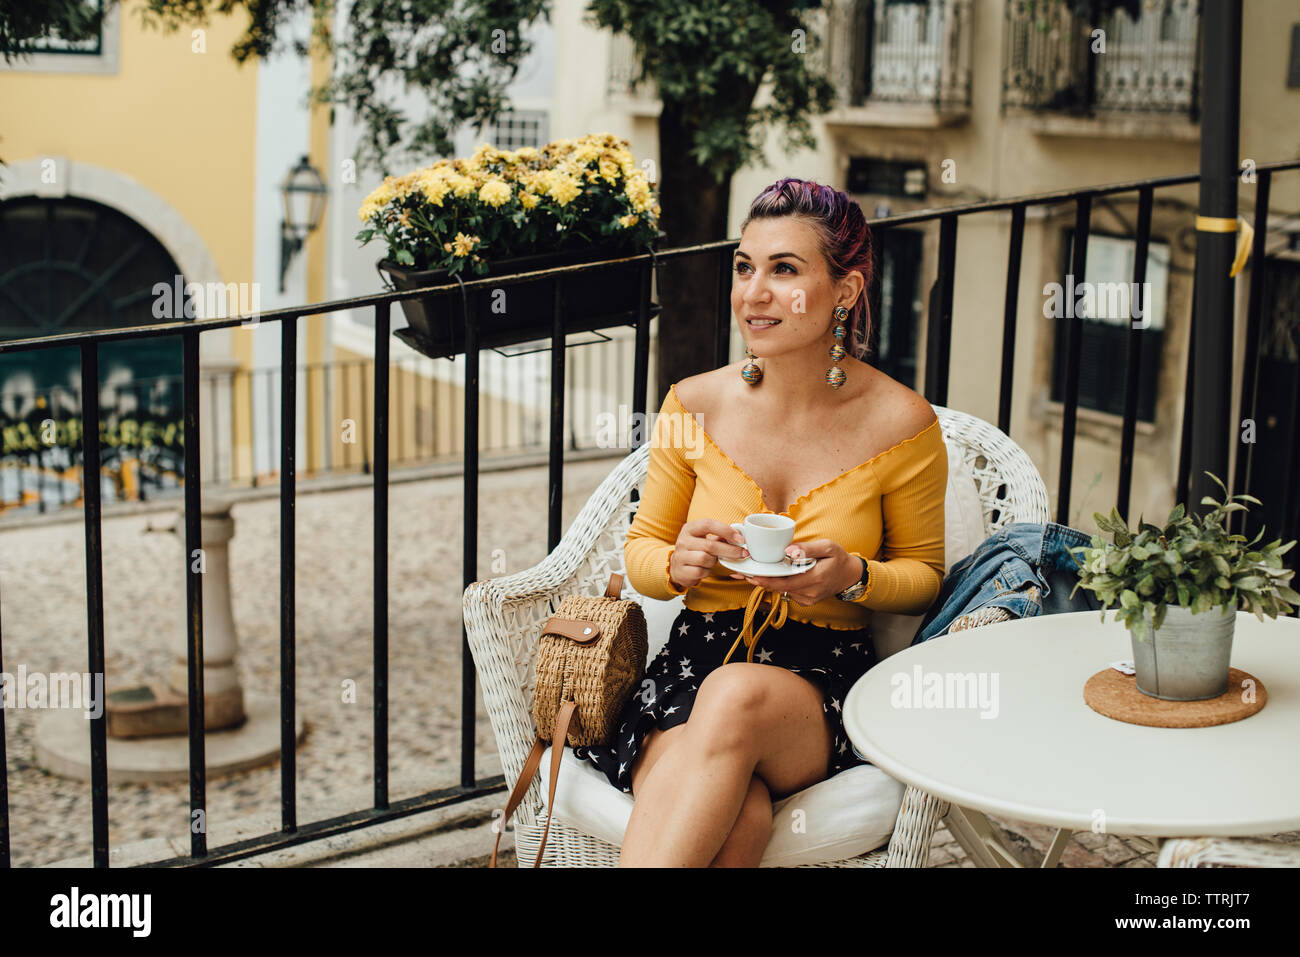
(835,376)
(751,373)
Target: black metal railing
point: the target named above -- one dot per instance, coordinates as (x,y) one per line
(142,428)
(937,362)
(1054,59)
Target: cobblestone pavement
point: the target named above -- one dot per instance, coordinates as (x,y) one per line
(42,573)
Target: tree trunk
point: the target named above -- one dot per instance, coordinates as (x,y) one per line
(694,210)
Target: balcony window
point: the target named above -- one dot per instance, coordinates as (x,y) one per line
(1105,309)
(1149,64)
(624,68)
(97,53)
(918,52)
(512,131)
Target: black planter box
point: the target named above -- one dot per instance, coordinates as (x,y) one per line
(592,300)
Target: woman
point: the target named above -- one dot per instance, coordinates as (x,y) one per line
(856,459)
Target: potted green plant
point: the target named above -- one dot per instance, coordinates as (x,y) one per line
(1178,589)
(500,212)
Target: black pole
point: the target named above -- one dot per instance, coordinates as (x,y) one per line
(1216,242)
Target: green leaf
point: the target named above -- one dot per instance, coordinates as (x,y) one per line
(1159,618)
(1129,599)
(405,257)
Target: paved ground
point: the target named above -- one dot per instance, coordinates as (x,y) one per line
(43,577)
(42,573)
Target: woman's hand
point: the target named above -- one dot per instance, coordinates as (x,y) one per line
(700,544)
(835,571)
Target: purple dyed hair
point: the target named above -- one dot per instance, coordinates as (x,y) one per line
(843,234)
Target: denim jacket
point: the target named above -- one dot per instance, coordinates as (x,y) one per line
(1001,571)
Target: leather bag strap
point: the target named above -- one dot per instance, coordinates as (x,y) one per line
(581,630)
(531,765)
(615,587)
(558,741)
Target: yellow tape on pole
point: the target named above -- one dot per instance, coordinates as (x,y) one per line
(1245,243)
(1215,224)
(1221,224)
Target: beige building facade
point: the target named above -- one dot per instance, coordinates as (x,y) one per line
(941,105)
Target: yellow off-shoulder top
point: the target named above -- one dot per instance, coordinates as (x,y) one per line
(888,510)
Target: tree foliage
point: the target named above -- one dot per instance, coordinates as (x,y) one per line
(705,56)
(709,57)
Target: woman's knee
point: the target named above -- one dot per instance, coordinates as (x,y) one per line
(728,708)
(737,687)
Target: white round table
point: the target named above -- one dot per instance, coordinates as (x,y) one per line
(1025,745)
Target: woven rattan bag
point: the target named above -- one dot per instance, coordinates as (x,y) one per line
(590,658)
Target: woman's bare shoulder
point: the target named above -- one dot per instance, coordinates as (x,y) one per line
(703,392)
(907,412)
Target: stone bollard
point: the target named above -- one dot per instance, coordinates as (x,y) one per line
(151,710)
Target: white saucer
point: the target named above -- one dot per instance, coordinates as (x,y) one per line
(781,569)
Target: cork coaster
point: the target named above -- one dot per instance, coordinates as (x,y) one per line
(1116,696)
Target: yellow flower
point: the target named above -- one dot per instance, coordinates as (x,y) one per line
(609,169)
(403,186)
(461,184)
(563,188)
(627,222)
(434,185)
(585,154)
(638,191)
(381,196)
(527,152)
(529,200)
(495,192)
(464,245)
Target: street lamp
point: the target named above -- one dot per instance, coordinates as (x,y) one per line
(304,202)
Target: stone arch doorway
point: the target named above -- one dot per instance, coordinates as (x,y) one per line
(71,264)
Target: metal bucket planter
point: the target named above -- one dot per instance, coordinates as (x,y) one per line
(591,300)
(1187,657)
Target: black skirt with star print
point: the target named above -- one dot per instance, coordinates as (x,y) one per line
(831,658)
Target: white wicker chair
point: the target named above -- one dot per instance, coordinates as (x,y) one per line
(503,617)
(1226,852)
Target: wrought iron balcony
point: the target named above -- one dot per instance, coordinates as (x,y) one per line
(899,62)
(1054,59)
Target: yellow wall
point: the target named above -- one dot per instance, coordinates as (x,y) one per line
(180,119)
(180,123)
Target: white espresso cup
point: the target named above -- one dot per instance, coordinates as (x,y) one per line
(766,535)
